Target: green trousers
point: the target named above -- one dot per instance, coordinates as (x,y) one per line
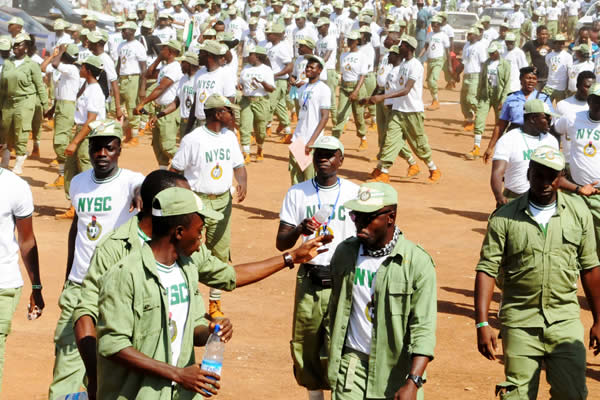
(405,128)
(278,102)
(384,114)
(346,105)
(9,299)
(64,119)
(552,28)
(36,122)
(151,84)
(333,81)
(218,233)
(370,85)
(483,108)
(447,75)
(559,347)
(571,24)
(434,67)
(468,96)
(129,86)
(78,162)
(254,115)
(310,332)
(17,117)
(352,380)
(164,137)
(296,173)
(69,371)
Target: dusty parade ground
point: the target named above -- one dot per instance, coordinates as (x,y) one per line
(448,219)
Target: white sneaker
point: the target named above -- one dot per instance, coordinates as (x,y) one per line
(288,130)
(18,168)
(5,157)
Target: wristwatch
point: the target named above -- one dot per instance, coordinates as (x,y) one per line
(418,380)
(288,260)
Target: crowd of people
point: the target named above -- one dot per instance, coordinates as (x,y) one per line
(210,80)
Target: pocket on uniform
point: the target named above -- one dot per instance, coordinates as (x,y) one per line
(400,292)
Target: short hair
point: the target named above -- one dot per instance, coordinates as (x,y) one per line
(583,75)
(540,28)
(526,71)
(162,226)
(156,182)
(210,113)
(315,62)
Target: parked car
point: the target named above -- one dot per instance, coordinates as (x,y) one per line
(461,22)
(42,35)
(592,14)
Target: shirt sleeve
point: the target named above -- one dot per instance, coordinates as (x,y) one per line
(22,203)
(505,112)
(174,73)
(212,271)
(95,100)
(423,307)
(269,76)
(325,98)
(492,249)
(140,53)
(588,257)
(237,158)
(180,160)
(503,148)
(286,54)
(229,86)
(289,212)
(561,125)
(111,72)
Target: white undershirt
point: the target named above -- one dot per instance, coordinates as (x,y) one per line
(542,214)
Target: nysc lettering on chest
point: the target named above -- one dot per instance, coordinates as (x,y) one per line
(217,155)
(94,204)
(588,134)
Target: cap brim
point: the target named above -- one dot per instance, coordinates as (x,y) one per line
(212,214)
(325,147)
(357,205)
(548,164)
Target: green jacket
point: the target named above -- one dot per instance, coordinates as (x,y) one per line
(499,93)
(405,313)
(125,240)
(24,80)
(538,273)
(134,313)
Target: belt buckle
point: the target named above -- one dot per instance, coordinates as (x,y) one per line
(212,196)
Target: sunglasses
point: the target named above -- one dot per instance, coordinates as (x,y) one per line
(366,218)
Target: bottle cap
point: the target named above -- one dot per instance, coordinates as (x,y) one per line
(217,329)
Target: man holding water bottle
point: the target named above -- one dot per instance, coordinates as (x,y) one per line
(313,283)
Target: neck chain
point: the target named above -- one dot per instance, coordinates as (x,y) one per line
(387,249)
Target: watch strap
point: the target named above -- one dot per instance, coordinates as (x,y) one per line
(288,260)
(418,380)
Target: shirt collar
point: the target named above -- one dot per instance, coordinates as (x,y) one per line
(523,205)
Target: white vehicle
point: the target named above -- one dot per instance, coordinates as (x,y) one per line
(461,22)
(591,15)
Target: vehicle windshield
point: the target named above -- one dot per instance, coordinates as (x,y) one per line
(462,21)
(496,13)
(31,25)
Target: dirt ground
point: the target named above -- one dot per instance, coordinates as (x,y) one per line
(448,219)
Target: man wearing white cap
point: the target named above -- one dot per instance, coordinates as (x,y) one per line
(164,31)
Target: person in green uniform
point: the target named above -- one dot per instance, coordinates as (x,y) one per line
(383,305)
(535,249)
(21,86)
(494,86)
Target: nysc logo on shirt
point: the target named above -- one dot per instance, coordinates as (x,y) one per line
(94,229)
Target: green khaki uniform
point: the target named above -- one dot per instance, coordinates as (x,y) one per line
(9,299)
(552,28)
(78,162)
(434,67)
(555,95)
(151,84)
(468,95)
(489,96)
(128,90)
(164,136)
(593,203)
(64,119)
(218,233)
(382,113)
(278,102)
(296,173)
(571,24)
(345,105)
(538,274)
(20,88)
(254,115)
(36,123)
(333,81)
(405,317)
(96,5)
(133,312)
(370,85)
(402,128)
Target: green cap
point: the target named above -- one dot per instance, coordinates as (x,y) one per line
(74,28)
(328,143)
(436,20)
(353,35)
(308,42)
(395,49)
(132,25)
(119,19)
(259,50)
(190,57)
(72,50)
(90,17)
(594,90)
(174,44)
(535,106)
(146,24)
(21,37)
(97,36)
(549,157)
(492,48)
(584,48)
(175,201)
(218,101)
(473,31)
(59,25)
(16,21)
(84,32)
(140,7)
(479,26)
(225,36)
(300,15)
(369,12)
(318,59)
(510,37)
(443,15)
(373,196)
(355,10)
(108,127)
(395,27)
(5,44)
(364,19)
(132,16)
(323,21)
(485,18)
(213,47)
(365,29)
(93,61)
(275,28)
(163,15)
(412,42)
(504,25)
(560,38)
(232,11)
(210,32)
(253,21)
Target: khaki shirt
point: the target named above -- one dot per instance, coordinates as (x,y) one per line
(133,312)
(124,240)
(21,81)
(538,273)
(405,313)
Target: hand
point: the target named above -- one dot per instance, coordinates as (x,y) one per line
(307,149)
(408,391)
(310,249)
(308,226)
(71,149)
(292,80)
(225,331)
(487,155)
(49,114)
(136,202)
(196,380)
(353,96)
(138,109)
(241,192)
(240,87)
(376,99)
(152,122)
(36,305)
(119,114)
(487,343)
(589,189)
(501,201)
(595,338)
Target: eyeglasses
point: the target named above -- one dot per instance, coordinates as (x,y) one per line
(366,218)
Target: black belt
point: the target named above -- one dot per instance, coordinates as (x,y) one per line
(320,275)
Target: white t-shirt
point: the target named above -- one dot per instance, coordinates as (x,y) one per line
(91,100)
(362,313)
(568,108)
(517,59)
(262,73)
(304,33)
(492,73)
(114,40)
(173,72)
(413,101)
(68,83)
(173,280)
(353,65)
(515,147)
(542,214)
(489,36)
(325,44)
(312,98)
(516,19)
(558,65)
(438,42)
(109,67)
(185,91)
(369,55)
(552,13)
(574,70)
(303,201)
(101,207)
(165,34)
(280,55)
(237,26)
(218,81)
(208,159)
(131,54)
(15,203)
(182,17)
(473,56)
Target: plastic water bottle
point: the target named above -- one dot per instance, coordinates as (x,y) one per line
(213,353)
(322,215)
(74,396)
